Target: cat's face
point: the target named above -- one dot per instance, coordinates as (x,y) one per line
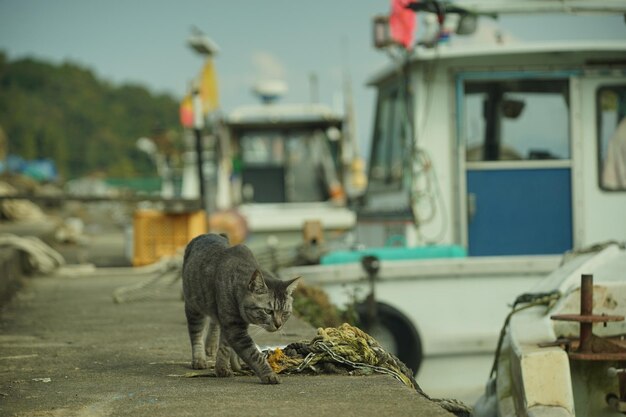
(268,306)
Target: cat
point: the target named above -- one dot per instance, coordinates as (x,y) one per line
(225,291)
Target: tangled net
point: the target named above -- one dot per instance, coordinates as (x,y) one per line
(349,349)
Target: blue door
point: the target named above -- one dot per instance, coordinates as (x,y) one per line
(524,211)
(518,173)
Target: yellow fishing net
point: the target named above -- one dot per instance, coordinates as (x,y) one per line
(355,351)
(346,345)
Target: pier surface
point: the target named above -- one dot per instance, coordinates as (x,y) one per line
(66,349)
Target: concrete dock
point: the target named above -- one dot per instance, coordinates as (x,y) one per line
(66,349)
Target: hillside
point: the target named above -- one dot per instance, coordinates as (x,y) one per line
(65,113)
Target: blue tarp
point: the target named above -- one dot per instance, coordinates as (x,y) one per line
(38,169)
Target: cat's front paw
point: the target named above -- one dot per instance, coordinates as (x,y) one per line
(199,364)
(270,379)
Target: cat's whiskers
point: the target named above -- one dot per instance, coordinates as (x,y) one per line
(255,329)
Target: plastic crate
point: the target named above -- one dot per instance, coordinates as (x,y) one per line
(157,234)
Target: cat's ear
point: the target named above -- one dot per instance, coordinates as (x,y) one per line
(292,284)
(257,284)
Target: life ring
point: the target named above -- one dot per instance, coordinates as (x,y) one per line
(231,223)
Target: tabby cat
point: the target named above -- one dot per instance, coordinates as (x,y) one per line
(225,290)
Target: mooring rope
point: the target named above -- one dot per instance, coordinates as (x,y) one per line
(353,349)
(41,257)
(165,277)
(528,300)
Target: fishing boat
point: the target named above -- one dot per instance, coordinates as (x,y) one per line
(488,162)
(287,166)
(275,167)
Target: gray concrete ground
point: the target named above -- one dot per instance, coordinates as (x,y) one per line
(67,350)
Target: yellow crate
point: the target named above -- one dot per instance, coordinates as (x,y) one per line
(157,234)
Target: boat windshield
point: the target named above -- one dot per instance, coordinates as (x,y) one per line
(389,144)
(285,165)
(519,120)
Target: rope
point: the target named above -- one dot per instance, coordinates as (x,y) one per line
(529,300)
(41,257)
(571,254)
(167,272)
(354,350)
(346,345)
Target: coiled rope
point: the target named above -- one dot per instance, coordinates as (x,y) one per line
(354,350)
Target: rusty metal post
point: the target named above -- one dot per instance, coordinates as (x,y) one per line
(588,349)
(586,309)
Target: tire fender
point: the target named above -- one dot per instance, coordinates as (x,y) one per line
(405,334)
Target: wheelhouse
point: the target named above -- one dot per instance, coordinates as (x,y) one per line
(508,158)
(285,154)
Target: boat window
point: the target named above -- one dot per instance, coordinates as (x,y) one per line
(516,120)
(310,169)
(611,108)
(296,165)
(262,148)
(386,162)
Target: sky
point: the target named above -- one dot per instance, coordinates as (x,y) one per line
(144,42)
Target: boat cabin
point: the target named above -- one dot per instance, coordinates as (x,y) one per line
(286,153)
(512,149)
(283,165)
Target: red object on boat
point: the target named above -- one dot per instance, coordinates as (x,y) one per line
(402,23)
(186,112)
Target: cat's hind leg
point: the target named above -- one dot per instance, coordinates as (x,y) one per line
(235,361)
(212,338)
(197,327)
(223,358)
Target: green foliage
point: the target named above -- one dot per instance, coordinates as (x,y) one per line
(312,304)
(63,112)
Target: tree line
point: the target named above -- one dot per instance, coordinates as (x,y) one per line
(84,124)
